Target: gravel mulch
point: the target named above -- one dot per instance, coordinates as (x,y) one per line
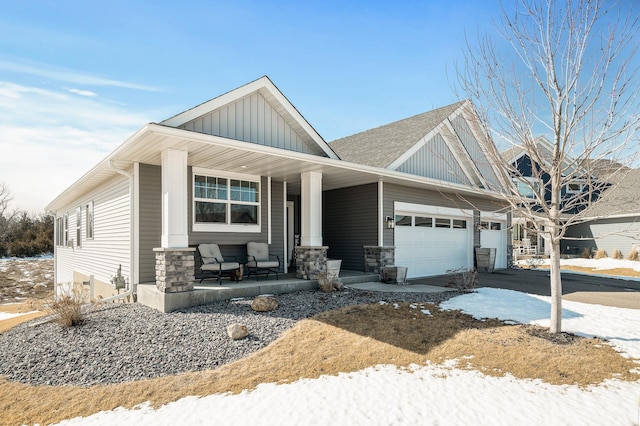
(119,343)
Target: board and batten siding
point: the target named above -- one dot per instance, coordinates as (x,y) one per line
(253,119)
(393,193)
(604,234)
(150,219)
(350,222)
(111,243)
(472,146)
(435,160)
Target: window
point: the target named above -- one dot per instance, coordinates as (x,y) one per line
(59,231)
(426,222)
(496,226)
(65,230)
(443,223)
(79,226)
(528,187)
(574,188)
(459,223)
(89,220)
(402,220)
(225,201)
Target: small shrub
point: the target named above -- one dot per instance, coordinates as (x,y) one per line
(329,283)
(600,254)
(463,279)
(67,308)
(586,253)
(633,255)
(617,254)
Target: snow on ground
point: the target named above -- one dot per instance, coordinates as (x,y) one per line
(598,264)
(7,315)
(427,395)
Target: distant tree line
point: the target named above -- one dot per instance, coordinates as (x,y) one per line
(23,234)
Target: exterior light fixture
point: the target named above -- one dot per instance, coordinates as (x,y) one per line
(390,222)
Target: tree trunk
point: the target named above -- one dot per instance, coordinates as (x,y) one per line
(556,287)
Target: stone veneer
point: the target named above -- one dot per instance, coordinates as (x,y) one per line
(377,257)
(310,261)
(175,269)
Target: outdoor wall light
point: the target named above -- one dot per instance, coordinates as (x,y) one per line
(390,222)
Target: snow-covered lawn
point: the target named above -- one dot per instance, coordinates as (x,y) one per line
(597,264)
(428,395)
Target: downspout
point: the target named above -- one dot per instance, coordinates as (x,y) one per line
(132,284)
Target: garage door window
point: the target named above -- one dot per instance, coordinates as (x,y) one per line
(443,223)
(459,224)
(402,220)
(426,222)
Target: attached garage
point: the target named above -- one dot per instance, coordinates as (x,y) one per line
(493,234)
(432,240)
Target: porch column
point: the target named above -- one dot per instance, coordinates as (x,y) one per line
(174,199)
(311,200)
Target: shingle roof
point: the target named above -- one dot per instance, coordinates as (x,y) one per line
(622,198)
(381,146)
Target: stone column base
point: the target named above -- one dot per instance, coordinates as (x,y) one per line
(175,269)
(310,261)
(377,257)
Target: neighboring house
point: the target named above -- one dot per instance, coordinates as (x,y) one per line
(613,223)
(587,184)
(247,166)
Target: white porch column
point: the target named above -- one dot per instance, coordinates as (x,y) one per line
(311,200)
(174,199)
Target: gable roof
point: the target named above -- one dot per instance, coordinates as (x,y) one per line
(382,146)
(291,129)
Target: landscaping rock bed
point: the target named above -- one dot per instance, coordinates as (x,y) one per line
(118,343)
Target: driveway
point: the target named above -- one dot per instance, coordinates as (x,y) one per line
(593,289)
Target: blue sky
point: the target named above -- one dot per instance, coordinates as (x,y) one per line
(78,77)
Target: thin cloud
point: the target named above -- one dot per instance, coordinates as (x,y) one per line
(81,92)
(71,76)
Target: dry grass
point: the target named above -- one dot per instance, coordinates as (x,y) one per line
(633,255)
(621,272)
(586,253)
(67,309)
(600,254)
(25,279)
(617,254)
(346,340)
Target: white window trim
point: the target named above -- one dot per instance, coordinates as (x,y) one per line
(79,226)
(581,186)
(219,227)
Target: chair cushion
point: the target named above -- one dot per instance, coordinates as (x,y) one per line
(263,264)
(209,253)
(224,266)
(258,250)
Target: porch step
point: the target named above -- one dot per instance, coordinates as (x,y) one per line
(211,291)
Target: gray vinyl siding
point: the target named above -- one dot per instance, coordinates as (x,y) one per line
(393,193)
(253,119)
(350,221)
(150,221)
(474,150)
(435,160)
(110,246)
(605,234)
(277,220)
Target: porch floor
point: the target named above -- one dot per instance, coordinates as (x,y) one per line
(210,290)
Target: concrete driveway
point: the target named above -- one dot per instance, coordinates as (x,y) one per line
(593,289)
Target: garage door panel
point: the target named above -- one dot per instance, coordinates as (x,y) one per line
(431,251)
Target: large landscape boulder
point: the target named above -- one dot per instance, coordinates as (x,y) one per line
(264,304)
(237,331)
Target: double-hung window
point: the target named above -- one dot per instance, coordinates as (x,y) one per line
(225,202)
(79,226)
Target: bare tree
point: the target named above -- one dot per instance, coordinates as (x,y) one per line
(564,70)
(6,216)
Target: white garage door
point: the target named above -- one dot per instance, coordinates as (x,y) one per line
(432,243)
(493,234)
